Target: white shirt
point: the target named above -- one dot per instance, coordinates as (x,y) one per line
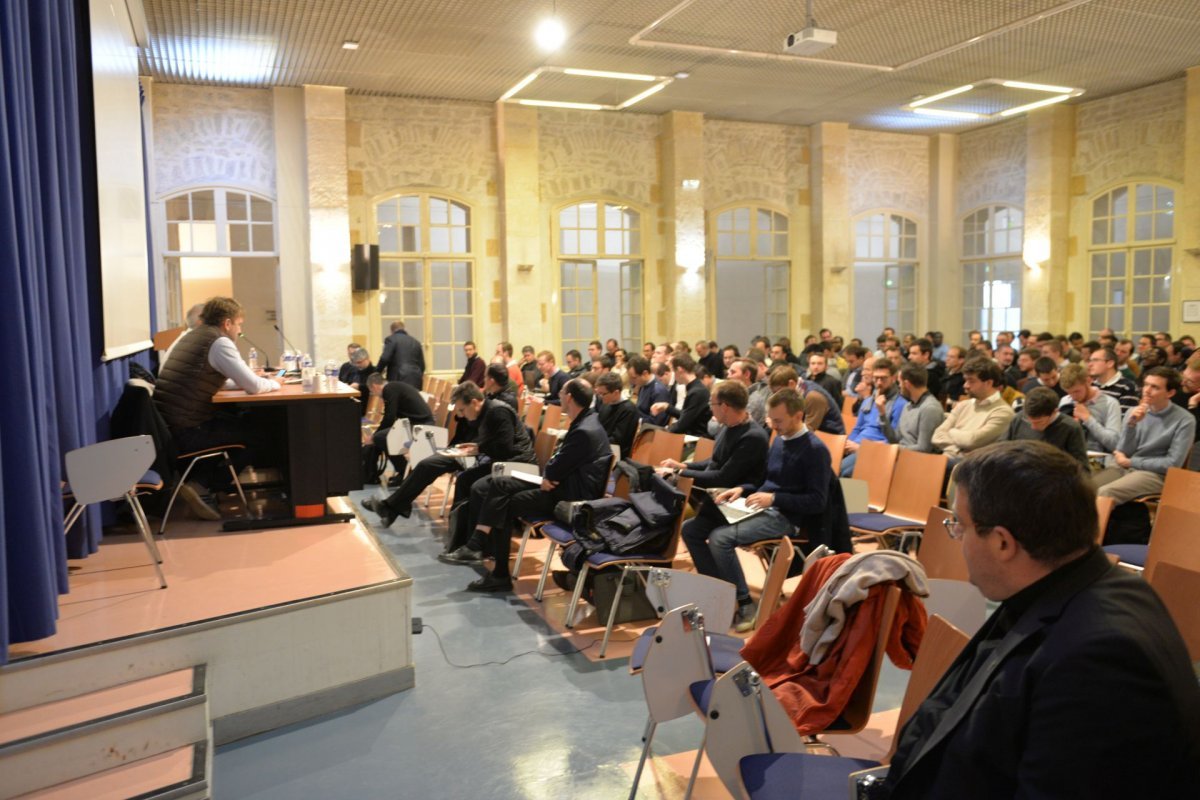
(224,357)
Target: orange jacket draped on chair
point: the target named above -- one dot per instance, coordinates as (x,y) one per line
(815,694)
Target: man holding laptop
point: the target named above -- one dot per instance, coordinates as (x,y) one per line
(796,489)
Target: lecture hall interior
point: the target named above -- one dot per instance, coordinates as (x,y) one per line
(668,170)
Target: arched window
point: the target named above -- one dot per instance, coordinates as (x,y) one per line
(752,268)
(599,247)
(992,268)
(209,231)
(1133,237)
(885,274)
(426,273)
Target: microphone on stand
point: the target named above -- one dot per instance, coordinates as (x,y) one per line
(288,343)
(266,365)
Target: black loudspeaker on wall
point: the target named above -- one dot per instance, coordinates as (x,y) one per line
(364,267)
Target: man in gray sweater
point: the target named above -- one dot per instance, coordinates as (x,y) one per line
(1157,436)
(921,417)
(1097,412)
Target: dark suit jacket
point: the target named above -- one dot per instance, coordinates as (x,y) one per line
(501,436)
(1090,694)
(714,362)
(403,359)
(653,392)
(693,417)
(581,464)
(402,401)
(620,421)
(557,381)
(739,457)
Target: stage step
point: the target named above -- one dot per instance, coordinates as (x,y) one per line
(64,745)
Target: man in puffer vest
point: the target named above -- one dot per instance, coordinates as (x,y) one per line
(204,361)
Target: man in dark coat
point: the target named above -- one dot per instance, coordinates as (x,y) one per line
(475,367)
(400,401)
(403,358)
(1078,673)
(577,471)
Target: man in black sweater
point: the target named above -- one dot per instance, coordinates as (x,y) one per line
(618,417)
(498,436)
(692,418)
(1041,421)
(400,401)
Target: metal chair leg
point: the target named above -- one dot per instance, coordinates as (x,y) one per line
(140,519)
(162,526)
(74,514)
(541,587)
(612,612)
(516,570)
(647,737)
(236,483)
(569,621)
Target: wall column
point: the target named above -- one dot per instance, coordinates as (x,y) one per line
(831,254)
(939,291)
(684,288)
(1186,285)
(291,222)
(523,300)
(1046,304)
(328,220)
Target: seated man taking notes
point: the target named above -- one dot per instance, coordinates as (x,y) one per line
(796,489)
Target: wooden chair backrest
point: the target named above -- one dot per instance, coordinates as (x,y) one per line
(1178,587)
(836,445)
(441,412)
(543,448)
(940,646)
(849,418)
(164,339)
(444,393)
(876,464)
(1175,538)
(941,556)
(858,708)
(552,418)
(772,590)
(426,382)
(704,449)
(684,485)
(533,413)
(916,484)
(374,409)
(1181,488)
(1104,507)
(653,445)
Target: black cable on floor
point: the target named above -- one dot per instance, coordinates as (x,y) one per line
(539,651)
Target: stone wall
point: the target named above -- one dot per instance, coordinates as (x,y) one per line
(749,161)
(212,136)
(1136,134)
(991,167)
(888,170)
(598,153)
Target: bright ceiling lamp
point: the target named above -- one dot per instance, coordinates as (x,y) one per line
(924,105)
(549,34)
(660,82)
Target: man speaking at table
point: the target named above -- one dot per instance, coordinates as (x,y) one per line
(202,363)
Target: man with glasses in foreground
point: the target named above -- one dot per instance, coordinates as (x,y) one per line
(1078,673)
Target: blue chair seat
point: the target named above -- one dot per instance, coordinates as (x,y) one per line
(702,694)
(638,659)
(878,523)
(151,480)
(601,560)
(1129,553)
(726,651)
(775,776)
(556,532)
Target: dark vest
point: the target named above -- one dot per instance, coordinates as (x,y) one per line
(187,382)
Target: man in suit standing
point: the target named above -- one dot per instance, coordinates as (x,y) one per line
(1080,668)
(403,359)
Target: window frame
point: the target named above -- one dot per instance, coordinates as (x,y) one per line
(772,261)
(991,260)
(887,262)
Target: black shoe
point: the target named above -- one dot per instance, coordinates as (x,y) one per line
(490,583)
(372,504)
(564,580)
(463,555)
(743,619)
(395,481)
(386,515)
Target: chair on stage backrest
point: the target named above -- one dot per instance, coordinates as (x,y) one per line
(116,469)
(1175,537)
(1178,588)
(916,485)
(941,556)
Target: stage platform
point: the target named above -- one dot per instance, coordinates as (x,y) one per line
(272,627)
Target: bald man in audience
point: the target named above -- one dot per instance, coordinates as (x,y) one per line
(1078,672)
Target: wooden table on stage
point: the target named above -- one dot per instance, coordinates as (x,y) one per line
(323,457)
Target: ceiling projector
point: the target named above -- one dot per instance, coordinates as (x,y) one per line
(810,41)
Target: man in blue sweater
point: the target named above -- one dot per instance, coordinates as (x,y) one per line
(795,490)
(885,402)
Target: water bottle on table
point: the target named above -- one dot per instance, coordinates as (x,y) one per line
(253,359)
(308,373)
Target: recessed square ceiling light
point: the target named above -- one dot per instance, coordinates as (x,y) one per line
(659,82)
(350,44)
(986,99)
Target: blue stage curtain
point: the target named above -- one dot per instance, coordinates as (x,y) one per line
(56,392)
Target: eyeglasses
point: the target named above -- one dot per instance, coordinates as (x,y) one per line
(954,528)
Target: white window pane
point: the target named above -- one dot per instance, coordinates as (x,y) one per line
(260,210)
(413,304)
(1100,207)
(445,356)
(236,207)
(569,217)
(203,205)
(1116,265)
(204,235)
(462,329)
(178,208)
(585,303)
(389,273)
(410,209)
(461,274)
(588,241)
(763,218)
(781,244)
(410,239)
(724,244)
(1162,261)
(612,216)
(462,302)
(412,274)
(570,242)
(587,215)
(568,324)
(1098,291)
(1143,225)
(1120,202)
(569,304)
(239,238)
(439,211)
(612,242)
(391,304)
(264,238)
(460,240)
(439,240)
(460,214)
(389,240)
(1162,290)
(439,273)
(443,328)
(724,219)
(1160,318)
(635,243)
(781,223)
(585,326)
(741,219)
(1164,225)
(1141,290)
(741,244)
(764,244)
(1144,197)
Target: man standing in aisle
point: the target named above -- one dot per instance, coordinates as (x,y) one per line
(203,362)
(403,358)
